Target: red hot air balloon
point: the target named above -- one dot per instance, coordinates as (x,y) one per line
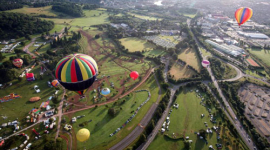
(17,62)
(134,75)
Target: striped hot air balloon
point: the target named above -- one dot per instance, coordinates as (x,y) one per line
(55,83)
(18,62)
(243,14)
(76,72)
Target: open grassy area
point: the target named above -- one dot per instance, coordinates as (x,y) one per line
(205,53)
(170,38)
(155,53)
(180,72)
(263,55)
(230,72)
(19,108)
(92,17)
(144,17)
(36,11)
(103,125)
(190,57)
(135,44)
(186,120)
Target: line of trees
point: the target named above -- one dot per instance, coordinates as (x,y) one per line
(15,25)
(9,6)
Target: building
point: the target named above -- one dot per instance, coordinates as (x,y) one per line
(253,35)
(228,49)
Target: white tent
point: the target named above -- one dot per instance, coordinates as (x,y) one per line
(38,90)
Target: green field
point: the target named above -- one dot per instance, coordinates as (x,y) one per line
(180,72)
(230,72)
(263,55)
(154,53)
(169,38)
(36,11)
(135,44)
(19,108)
(205,53)
(191,58)
(186,120)
(103,125)
(144,17)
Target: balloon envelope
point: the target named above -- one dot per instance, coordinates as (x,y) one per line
(134,75)
(76,72)
(55,83)
(83,135)
(17,62)
(243,14)
(105,91)
(205,63)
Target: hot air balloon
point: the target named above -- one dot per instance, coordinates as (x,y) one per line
(134,75)
(30,77)
(76,72)
(17,62)
(105,92)
(205,63)
(55,83)
(83,135)
(242,15)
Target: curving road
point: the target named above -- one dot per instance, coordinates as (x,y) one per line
(140,128)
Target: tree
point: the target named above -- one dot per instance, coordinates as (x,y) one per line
(202,133)
(112,112)
(23,43)
(66,30)
(97,36)
(17,51)
(2,57)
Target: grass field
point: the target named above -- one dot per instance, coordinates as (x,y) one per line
(135,44)
(180,72)
(92,17)
(230,72)
(19,108)
(169,38)
(263,55)
(155,53)
(103,125)
(191,58)
(205,53)
(186,120)
(36,11)
(144,17)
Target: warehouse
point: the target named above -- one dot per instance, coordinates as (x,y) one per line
(253,35)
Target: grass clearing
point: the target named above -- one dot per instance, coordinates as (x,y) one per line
(92,17)
(229,73)
(191,58)
(262,54)
(181,72)
(155,53)
(135,44)
(103,125)
(47,10)
(169,38)
(144,17)
(205,53)
(186,120)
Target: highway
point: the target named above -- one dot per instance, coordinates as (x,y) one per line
(229,112)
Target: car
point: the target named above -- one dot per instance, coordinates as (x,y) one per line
(248,140)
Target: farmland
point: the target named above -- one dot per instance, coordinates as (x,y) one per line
(263,55)
(136,44)
(191,58)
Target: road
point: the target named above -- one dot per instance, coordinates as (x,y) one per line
(160,122)
(60,113)
(229,112)
(140,128)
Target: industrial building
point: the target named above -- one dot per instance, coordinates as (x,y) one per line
(228,49)
(253,35)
